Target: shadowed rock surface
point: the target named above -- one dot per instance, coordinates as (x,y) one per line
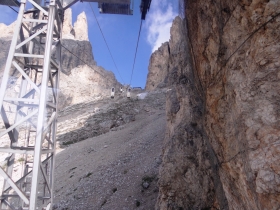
(221,150)
(188,175)
(158,68)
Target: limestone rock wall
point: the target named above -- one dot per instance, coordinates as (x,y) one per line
(75,39)
(158,68)
(81,78)
(222,145)
(5,41)
(237,59)
(188,175)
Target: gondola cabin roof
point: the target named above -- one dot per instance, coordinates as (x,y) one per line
(124,7)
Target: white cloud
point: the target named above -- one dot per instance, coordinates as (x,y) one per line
(159,21)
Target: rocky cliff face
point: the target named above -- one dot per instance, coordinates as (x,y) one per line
(188,177)
(158,68)
(81,78)
(221,150)
(5,42)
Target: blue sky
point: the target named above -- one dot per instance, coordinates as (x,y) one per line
(121,34)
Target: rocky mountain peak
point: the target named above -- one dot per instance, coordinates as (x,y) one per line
(67,29)
(160,59)
(81,27)
(82,79)
(158,68)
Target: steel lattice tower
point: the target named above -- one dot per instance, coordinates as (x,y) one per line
(30,126)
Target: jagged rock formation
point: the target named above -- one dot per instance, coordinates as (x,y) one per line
(158,68)
(82,79)
(221,150)
(80,27)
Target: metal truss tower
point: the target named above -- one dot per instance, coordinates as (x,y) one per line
(28,132)
(30,117)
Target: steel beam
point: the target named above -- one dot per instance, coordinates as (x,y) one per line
(30,124)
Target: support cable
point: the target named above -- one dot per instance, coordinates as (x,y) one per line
(105,42)
(135,52)
(13,9)
(85,62)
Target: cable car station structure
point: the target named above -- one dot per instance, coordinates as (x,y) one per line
(30,117)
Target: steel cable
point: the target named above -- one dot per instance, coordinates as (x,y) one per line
(135,52)
(106,42)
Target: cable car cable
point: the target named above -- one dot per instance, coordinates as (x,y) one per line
(13,9)
(105,42)
(135,52)
(86,63)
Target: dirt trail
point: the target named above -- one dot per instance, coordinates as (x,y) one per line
(117,170)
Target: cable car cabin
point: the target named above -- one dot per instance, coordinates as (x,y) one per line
(112,92)
(122,7)
(128,93)
(121,89)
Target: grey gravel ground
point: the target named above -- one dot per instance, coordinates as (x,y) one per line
(117,170)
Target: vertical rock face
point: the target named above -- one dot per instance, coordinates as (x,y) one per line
(158,68)
(188,177)
(224,108)
(236,46)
